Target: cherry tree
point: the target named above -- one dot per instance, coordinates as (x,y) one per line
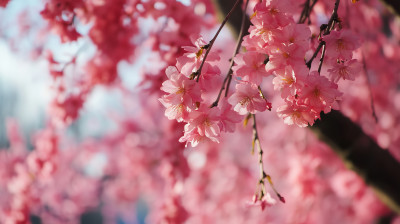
(290,114)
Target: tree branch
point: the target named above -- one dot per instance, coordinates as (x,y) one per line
(393,5)
(362,154)
(359,152)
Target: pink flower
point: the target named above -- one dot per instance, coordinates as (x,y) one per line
(250,66)
(274,9)
(190,61)
(345,70)
(288,81)
(204,122)
(264,202)
(209,77)
(299,115)
(264,26)
(229,118)
(193,137)
(256,42)
(298,34)
(341,44)
(283,55)
(183,94)
(180,112)
(319,93)
(247,99)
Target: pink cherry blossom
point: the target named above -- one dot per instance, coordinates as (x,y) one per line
(193,137)
(190,61)
(229,118)
(341,44)
(301,116)
(298,34)
(206,122)
(319,93)
(264,27)
(203,123)
(250,67)
(209,78)
(289,81)
(346,70)
(247,99)
(274,9)
(264,202)
(183,94)
(283,55)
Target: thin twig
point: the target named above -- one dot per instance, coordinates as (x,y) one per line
(314,55)
(321,60)
(305,14)
(333,18)
(263,175)
(327,30)
(198,72)
(304,11)
(309,11)
(228,76)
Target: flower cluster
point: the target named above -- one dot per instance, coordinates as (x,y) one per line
(277,46)
(184,100)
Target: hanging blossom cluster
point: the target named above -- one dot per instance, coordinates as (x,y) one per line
(275,46)
(184,100)
(284,43)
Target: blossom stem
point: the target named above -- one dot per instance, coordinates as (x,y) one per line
(314,55)
(327,30)
(331,23)
(305,14)
(263,175)
(309,11)
(321,60)
(228,76)
(198,72)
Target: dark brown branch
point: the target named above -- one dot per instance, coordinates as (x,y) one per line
(393,5)
(359,152)
(315,54)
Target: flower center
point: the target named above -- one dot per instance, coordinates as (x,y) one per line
(316,92)
(288,80)
(340,44)
(245,101)
(274,11)
(181,90)
(199,53)
(207,122)
(343,72)
(296,114)
(285,55)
